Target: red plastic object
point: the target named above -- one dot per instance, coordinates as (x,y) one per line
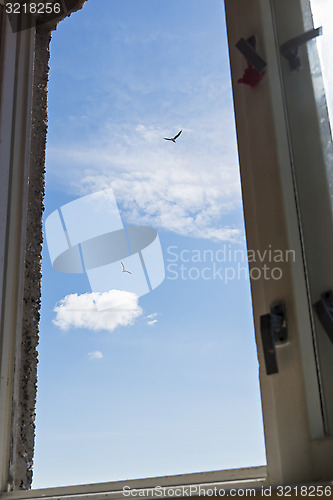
(251,76)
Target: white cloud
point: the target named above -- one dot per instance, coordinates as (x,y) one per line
(187,203)
(95,355)
(97,311)
(152,322)
(150,316)
(151,319)
(189,187)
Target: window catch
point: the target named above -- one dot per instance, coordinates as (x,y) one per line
(324,310)
(274,331)
(248,49)
(290,49)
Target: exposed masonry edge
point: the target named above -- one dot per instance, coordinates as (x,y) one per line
(24,402)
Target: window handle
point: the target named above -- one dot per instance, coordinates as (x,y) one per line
(274,331)
(324,310)
(289,49)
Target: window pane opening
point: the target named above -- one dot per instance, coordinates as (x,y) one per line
(165,382)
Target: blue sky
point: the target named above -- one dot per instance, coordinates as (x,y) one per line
(176,390)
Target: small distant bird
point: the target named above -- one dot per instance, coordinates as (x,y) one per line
(124,270)
(173,139)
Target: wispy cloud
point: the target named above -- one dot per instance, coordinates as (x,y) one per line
(97,311)
(95,355)
(152,322)
(179,187)
(151,319)
(151,316)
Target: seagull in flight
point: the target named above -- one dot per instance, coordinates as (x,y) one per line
(173,139)
(124,270)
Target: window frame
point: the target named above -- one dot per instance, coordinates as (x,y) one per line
(297,450)
(265,156)
(292,411)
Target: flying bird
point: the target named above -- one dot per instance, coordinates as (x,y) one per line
(173,139)
(124,270)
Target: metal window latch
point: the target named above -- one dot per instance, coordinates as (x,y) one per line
(324,310)
(290,49)
(274,331)
(248,49)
